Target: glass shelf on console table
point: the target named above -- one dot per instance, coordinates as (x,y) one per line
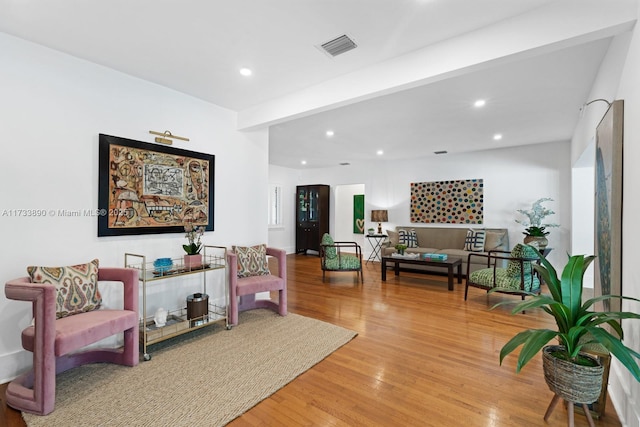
(180,321)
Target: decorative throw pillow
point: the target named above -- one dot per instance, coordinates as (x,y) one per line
(393,237)
(330,252)
(494,239)
(408,237)
(521,251)
(474,242)
(77,286)
(252,260)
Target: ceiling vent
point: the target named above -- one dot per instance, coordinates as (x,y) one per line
(440,152)
(338,45)
(344,164)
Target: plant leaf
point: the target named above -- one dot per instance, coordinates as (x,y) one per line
(624,354)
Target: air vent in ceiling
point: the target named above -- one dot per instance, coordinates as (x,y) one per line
(440,152)
(344,164)
(338,45)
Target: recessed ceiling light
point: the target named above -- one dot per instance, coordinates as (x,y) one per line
(379,152)
(304,162)
(479,103)
(329,133)
(246,71)
(497,137)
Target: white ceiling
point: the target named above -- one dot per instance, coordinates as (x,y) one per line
(198,46)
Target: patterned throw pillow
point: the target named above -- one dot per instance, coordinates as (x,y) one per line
(252,260)
(330,252)
(521,251)
(408,237)
(77,286)
(474,242)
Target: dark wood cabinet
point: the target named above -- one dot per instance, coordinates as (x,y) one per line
(312,216)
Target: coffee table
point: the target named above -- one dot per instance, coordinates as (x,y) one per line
(449,264)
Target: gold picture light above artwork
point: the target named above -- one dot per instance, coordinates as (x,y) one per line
(166,136)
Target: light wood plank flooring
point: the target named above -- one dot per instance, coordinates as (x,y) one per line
(423,357)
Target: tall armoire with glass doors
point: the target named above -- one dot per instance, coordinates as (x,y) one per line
(312,216)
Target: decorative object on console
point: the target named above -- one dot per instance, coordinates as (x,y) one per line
(193,259)
(160,317)
(452,202)
(379,216)
(535,231)
(162,265)
(574,322)
(149,189)
(197,308)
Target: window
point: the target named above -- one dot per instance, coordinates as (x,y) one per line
(275,205)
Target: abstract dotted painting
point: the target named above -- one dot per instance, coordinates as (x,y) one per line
(452,202)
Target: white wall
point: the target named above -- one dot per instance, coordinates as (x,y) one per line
(618,79)
(513,179)
(53,107)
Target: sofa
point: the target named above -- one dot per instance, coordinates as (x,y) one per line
(450,241)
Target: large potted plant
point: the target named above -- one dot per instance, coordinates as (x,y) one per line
(569,373)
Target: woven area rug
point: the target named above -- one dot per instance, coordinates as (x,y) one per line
(208,378)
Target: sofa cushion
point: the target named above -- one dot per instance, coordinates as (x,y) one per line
(474,241)
(252,260)
(521,251)
(393,238)
(342,262)
(76,285)
(494,239)
(330,252)
(504,279)
(408,237)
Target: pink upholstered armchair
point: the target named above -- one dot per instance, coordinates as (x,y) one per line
(247,287)
(52,341)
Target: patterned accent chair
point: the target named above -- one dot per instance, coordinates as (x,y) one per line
(340,256)
(518,278)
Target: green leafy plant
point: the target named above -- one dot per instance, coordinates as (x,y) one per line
(535,231)
(576,324)
(193,235)
(400,247)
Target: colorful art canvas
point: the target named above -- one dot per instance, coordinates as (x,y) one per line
(358,214)
(449,202)
(146,188)
(608,207)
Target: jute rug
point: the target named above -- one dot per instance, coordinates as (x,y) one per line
(204,380)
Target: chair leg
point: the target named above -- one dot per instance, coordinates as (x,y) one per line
(466,290)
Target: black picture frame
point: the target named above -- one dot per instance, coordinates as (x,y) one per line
(147,188)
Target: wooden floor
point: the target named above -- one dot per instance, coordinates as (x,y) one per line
(423,357)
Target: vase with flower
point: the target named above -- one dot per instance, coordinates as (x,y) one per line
(193,258)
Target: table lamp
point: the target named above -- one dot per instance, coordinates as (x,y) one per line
(379,216)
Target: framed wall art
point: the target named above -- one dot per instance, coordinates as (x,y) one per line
(149,189)
(608,207)
(358,213)
(449,202)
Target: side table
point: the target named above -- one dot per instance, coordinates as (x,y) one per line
(375,240)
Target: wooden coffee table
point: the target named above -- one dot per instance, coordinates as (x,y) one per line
(449,264)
